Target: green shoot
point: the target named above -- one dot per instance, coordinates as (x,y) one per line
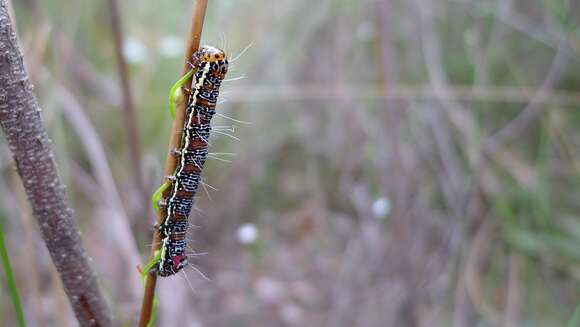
(10,281)
(175,92)
(157,195)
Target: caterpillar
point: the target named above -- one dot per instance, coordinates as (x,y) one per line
(210,65)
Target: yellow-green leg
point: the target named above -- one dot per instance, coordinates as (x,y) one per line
(158,194)
(176,93)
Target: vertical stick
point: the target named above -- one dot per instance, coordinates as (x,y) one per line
(193,40)
(131,130)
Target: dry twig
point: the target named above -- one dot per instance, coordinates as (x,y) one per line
(131,129)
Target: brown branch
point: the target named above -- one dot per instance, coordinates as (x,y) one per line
(30,146)
(131,131)
(194,38)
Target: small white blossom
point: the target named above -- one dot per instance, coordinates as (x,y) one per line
(134,50)
(381,207)
(247,233)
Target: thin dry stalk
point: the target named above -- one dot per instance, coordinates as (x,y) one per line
(194,38)
(117,227)
(474,267)
(514,288)
(30,146)
(131,131)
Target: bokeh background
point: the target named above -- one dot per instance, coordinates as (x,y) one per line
(405,163)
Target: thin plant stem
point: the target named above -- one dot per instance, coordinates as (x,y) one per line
(131,130)
(197,18)
(14,296)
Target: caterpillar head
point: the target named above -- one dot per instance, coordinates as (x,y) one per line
(209,53)
(215,63)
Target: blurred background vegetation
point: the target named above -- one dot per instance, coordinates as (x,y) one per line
(408,163)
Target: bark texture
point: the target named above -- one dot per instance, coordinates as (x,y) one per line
(30,146)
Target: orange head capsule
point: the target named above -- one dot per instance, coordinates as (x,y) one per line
(209,54)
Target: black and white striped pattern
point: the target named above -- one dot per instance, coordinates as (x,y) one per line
(212,65)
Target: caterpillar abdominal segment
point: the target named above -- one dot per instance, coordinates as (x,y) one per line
(211,66)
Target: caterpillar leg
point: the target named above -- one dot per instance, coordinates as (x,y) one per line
(156,198)
(175,152)
(151,265)
(176,94)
